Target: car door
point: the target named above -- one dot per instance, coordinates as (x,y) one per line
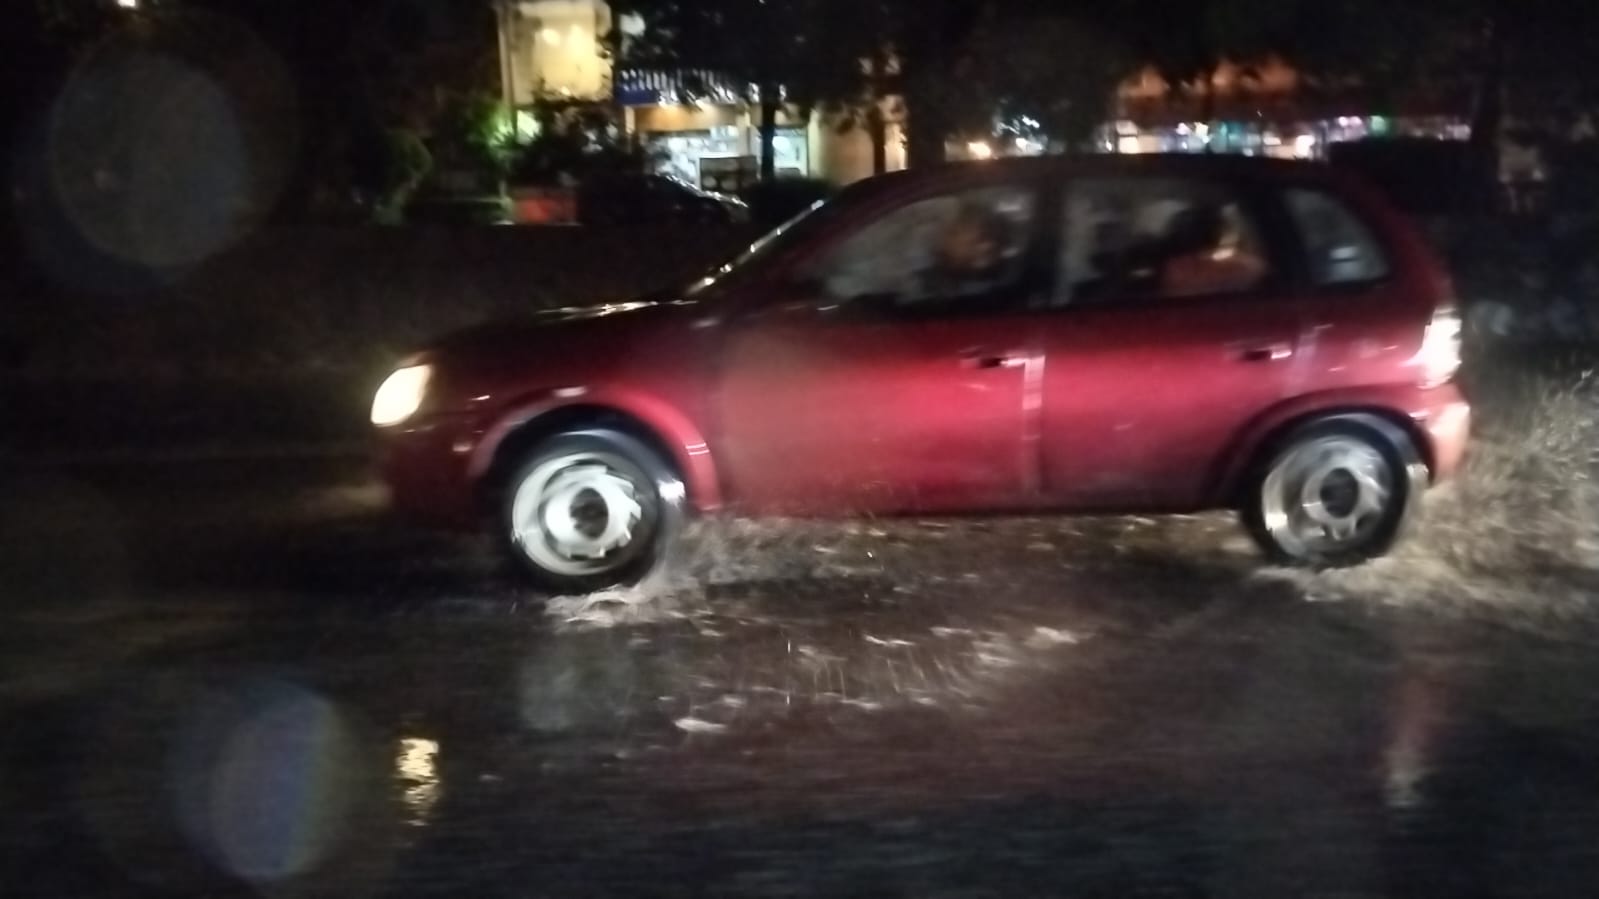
(891,371)
(1172,329)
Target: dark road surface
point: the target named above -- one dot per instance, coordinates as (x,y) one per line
(240,678)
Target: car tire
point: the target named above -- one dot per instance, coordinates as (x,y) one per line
(590,510)
(1336,493)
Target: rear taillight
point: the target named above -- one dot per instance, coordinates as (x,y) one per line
(1439,357)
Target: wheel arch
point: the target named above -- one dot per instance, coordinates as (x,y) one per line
(677,443)
(1256,449)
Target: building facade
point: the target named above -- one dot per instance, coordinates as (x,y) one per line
(696,125)
(702,128)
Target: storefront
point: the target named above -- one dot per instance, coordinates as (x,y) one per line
(725,157)
(1263,110)
(1294,140)
(711,140)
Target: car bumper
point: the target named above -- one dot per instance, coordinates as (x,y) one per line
(427,475)
(1445,417)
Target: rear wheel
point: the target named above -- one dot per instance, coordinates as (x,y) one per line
(1339,492)
(589,510)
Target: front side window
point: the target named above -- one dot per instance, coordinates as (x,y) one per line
(965,251)
(1157,239)
(1339,247)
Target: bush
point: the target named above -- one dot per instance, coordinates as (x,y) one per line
(575,143)
(389,166)
(474,132)
(444,209)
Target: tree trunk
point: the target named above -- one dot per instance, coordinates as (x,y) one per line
(927,121)
(1488,116)
(769,107)
(877,130)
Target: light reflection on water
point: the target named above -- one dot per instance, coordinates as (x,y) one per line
(1407,761)
(416,767)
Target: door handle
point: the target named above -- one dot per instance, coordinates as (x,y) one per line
(982,359)
(1263,352)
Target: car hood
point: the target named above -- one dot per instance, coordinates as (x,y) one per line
(575,339)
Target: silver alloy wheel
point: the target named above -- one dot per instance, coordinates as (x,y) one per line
(579,514)
(1328,496)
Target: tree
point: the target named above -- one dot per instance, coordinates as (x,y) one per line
(1493,58)
(773,53)
(932,66)
(1052,67)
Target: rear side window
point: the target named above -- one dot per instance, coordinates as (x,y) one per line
(1135,238)
(1339,247)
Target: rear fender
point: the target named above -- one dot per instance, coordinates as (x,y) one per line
(1398,411)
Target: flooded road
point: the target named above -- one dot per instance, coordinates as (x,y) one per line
(238,677)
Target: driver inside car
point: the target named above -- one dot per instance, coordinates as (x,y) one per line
(968,254)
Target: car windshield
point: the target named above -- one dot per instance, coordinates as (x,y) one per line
(769,246)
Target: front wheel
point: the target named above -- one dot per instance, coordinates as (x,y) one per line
(1338,493)
(590,510)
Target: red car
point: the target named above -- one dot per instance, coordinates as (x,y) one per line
(1115,334)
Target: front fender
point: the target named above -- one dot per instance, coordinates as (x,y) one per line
(672,429)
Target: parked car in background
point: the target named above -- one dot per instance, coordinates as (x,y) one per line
(1113,334)
(654,199)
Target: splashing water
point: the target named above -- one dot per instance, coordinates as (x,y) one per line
(1518,531)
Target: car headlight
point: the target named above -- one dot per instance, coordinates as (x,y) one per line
(401,395)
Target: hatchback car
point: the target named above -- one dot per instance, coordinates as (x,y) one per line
(1115,334)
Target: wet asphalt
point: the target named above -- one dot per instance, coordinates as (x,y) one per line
(236,676)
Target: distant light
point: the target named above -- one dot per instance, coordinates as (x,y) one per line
(128,4)
(1202,129)
(1129,145)
(978,149)
(416,766)
(1304,145)
(551,36)
(1271,140)
(1183,129)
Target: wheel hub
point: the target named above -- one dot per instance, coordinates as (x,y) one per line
(1327,496)
(578,514)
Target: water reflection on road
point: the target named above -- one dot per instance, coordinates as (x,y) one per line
(313,700)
